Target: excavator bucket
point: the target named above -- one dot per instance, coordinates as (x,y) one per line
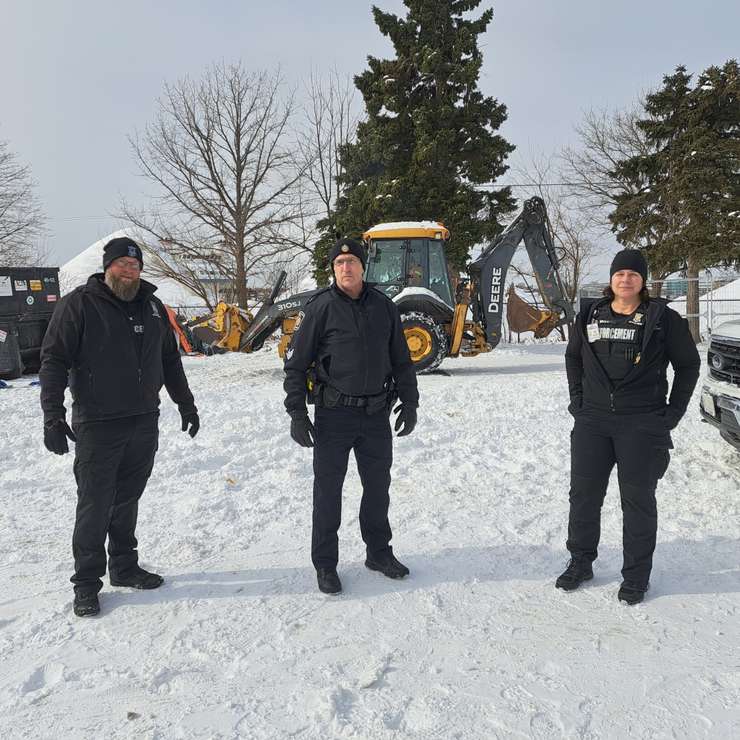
(222,329)
(523,316)
(233,329)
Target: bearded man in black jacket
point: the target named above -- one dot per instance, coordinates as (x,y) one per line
(351,341)
(616,363)
(111,342)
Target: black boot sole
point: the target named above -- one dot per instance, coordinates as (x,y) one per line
(563,587)
(330,591)
(632,599)
(140,586)
(88,610)
(396,576)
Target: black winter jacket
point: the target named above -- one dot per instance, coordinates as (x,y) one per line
(90,344)
(356,345)
(666,339)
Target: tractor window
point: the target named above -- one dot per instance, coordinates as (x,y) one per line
(439,280)
(416,263)
(385,267)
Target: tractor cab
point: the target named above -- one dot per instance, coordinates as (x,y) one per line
(409,255)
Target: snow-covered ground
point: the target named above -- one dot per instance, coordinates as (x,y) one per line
(477,643)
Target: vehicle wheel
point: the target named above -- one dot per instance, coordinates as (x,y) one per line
(426,340)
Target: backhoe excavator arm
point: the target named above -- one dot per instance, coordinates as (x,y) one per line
(489,270)
(271,315)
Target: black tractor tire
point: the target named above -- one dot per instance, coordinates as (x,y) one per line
(426,339)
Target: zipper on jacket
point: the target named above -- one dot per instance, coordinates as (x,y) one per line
(365,345)
(611,400)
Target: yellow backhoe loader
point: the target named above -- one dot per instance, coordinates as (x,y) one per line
(441,316)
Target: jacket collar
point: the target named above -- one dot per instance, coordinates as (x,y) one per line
(339,292)
(655,310)
(96,285)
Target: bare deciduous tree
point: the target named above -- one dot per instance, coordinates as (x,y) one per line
(226,174)
(591,170)
(576,229)
(330,122)
(21,217)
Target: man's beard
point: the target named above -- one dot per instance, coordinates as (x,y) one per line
(126,290)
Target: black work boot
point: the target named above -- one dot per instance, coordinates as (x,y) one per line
(387,565)
(632,593)
(574,575)
(328,581)
(86,604)
(137,578)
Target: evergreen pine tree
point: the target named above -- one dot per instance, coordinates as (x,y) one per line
(690,208)
(429,140)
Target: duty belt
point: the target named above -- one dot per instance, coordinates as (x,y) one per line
(330,398)
(357,401)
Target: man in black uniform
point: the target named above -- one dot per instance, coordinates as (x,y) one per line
(351,337)
(111,341)
(616,365)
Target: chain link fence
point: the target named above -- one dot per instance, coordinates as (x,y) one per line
(719,299)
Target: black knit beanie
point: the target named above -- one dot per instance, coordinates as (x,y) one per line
(122,246)
(629,259)
(347,246)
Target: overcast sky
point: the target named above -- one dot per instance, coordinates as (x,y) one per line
(78,76)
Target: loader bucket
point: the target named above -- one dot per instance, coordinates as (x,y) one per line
(523,316)
(222,329)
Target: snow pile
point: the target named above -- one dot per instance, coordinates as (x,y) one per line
(477,643)
(89,261)
(403,226)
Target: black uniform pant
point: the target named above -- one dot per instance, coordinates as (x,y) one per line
(638,445)
(339,430)
(113,461)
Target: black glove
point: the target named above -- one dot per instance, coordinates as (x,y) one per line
(190,419)
(672,417)
(406,418)
(301,429)
(56,432)
(576,402)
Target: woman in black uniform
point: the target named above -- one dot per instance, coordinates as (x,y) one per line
(616,365)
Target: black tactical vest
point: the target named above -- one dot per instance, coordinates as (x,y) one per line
(619,339)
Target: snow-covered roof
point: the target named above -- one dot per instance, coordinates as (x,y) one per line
(393,225)
(396,229)
(90,260)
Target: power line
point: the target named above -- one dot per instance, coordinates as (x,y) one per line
(538,184)
(483,185)
(84,218)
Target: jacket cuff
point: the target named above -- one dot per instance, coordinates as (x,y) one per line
(51,417)
(673,416)
(576,402)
